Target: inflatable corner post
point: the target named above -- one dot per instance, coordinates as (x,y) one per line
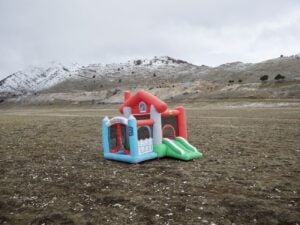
(146,130)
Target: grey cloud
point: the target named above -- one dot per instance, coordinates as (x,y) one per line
(212,32)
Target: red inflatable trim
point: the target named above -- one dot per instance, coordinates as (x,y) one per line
(145,122)
(146,97)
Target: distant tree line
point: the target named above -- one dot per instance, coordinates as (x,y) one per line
(278,77)
(263,78)
(232,81)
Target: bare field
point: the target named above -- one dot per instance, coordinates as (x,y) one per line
(52,170)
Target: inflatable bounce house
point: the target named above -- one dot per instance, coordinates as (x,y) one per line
(146,130)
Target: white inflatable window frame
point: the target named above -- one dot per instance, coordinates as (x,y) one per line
(142,107)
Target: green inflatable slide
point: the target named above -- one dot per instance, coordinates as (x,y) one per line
(178,148)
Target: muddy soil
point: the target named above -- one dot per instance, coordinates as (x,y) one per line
(53,172)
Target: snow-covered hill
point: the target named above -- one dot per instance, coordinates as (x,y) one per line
(152,74)
(34,79)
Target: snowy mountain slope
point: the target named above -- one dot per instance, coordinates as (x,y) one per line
(132,66)
(35,79)
(150,73)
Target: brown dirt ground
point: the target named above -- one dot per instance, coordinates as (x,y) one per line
(52,170)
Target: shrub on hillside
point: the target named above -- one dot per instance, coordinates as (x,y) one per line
(279,77)
(264,78)
(138,62)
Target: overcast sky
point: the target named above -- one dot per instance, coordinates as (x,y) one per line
(210,32)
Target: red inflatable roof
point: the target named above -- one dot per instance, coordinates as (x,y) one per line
(146,97)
